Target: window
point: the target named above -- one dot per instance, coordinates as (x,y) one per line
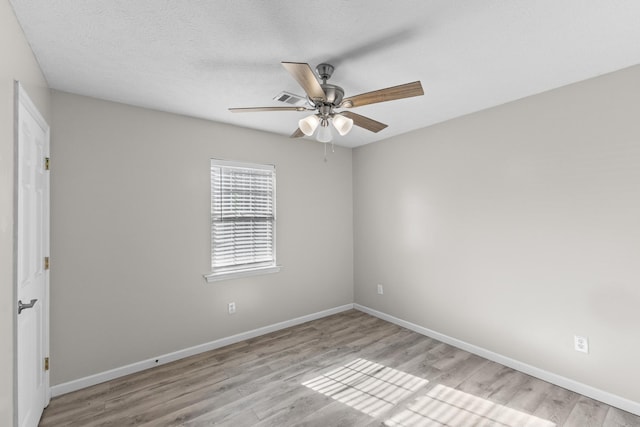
(243,219)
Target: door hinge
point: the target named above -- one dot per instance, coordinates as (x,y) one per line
(46,263)
(46,163)
(46,363)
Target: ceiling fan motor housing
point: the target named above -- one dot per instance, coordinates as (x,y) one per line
(333,94)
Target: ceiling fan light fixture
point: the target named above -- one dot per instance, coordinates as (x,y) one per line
(309,124)
(342,124)
(324,133)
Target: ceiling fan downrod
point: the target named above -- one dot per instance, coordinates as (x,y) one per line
(325,71)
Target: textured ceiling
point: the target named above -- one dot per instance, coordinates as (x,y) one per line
(198,58)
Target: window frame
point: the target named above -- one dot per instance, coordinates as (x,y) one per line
(236,271)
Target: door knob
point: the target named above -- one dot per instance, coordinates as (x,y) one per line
(22,306)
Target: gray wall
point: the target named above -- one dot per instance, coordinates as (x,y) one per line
(16,63)
(131,234)
(514,229)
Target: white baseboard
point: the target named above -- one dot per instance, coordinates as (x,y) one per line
(101,377)
(569,384)
(592,392)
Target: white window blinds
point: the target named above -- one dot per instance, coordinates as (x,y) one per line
(242,216)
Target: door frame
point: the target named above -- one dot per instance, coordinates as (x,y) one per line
(21,97)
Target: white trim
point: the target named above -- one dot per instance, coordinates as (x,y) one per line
(241,165)
(101,377)
(216,277)
(592,392)
(569,384)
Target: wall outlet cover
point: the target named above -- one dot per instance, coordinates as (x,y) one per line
(581,344)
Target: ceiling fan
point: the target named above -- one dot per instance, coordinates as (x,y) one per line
(324,98)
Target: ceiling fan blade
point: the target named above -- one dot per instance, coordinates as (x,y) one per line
(297,134)
(382,95)
(305,77)
(257,109)
(364,122)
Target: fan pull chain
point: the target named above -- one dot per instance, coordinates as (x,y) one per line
(325,152)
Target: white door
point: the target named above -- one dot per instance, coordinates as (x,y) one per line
(32,275)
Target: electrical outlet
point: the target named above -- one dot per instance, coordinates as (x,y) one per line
(232,308)
(380,289)
(581,344)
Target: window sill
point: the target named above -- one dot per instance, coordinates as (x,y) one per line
(215,277)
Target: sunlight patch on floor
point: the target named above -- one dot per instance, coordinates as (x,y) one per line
(367,386)
(445,406)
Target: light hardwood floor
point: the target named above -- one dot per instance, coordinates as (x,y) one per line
(350,369)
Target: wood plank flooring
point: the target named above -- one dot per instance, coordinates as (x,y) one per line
(350,369)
